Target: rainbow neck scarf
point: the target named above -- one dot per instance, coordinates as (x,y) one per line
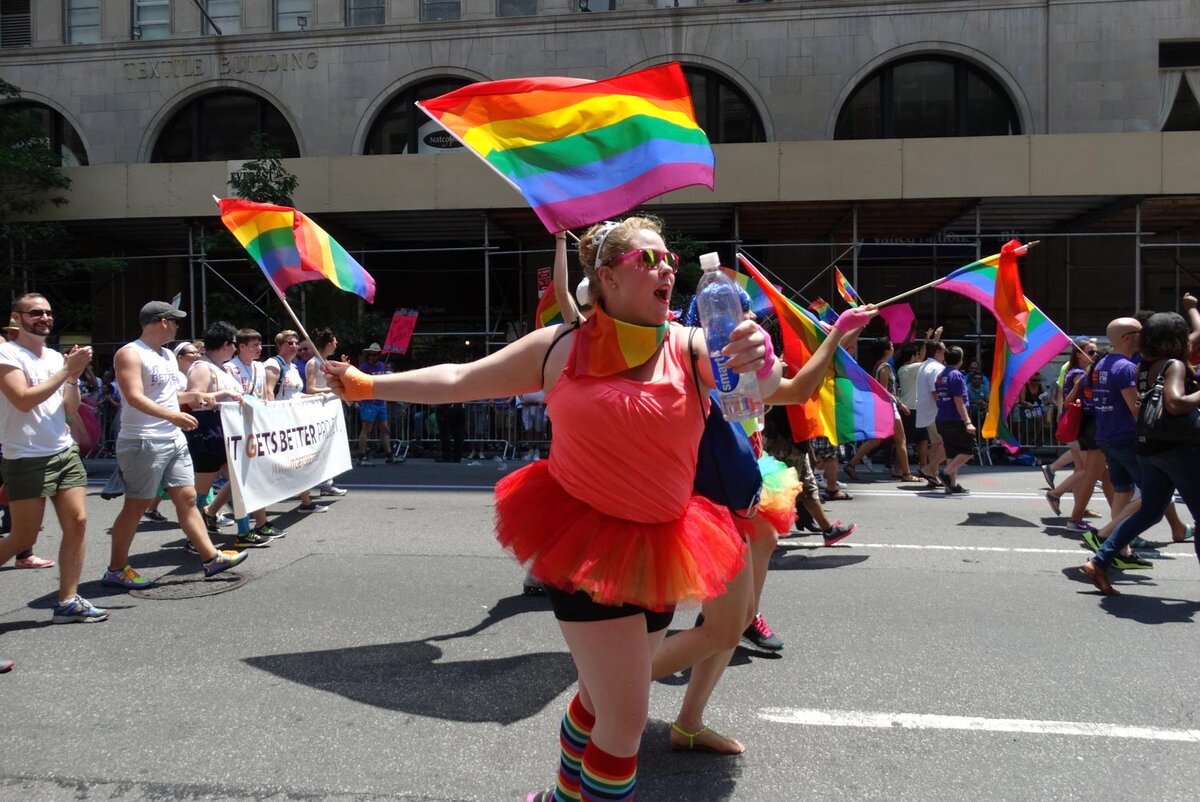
(606,346)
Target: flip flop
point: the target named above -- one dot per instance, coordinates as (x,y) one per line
(1189,534)
(851,471)
(692,746)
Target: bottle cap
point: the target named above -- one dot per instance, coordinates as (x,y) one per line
(709,261)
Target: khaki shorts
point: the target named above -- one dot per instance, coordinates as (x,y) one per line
(935,437)
(150,464)
(43,477)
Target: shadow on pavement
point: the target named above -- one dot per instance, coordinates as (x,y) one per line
(1151,609)
(408,676)
(997,519)
(791,561)
(697,776)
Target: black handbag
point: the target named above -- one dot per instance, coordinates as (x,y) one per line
(726,468)
(1156,424)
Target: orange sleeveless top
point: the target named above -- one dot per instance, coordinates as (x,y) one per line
(628,448)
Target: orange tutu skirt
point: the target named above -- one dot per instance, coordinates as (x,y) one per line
(777,503)
(573,546)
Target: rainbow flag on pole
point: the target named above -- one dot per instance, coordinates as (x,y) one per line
(844,289)
(1010,371)
(851,405)
(984,283)
(760,304)
(578,150)
(291,248)
(548,312)
(823,311)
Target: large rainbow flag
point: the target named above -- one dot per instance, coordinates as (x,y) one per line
(1010,370)
(291,248)
(578,150)
(851,405)
(984,282)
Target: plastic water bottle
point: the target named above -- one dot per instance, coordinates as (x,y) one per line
(720,310)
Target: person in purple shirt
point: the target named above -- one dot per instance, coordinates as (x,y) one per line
(1115,403)
(953,420)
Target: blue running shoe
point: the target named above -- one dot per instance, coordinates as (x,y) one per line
(78,611)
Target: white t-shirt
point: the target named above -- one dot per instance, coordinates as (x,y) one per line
(291,384)
(906,377)
(42,431)
(161,384)
(317,380)
(926,406)
(252,378)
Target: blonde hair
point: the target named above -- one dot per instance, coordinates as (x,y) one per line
(605,241)
(283,335)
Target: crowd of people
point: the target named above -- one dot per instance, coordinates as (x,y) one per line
(168,444)
(611,529)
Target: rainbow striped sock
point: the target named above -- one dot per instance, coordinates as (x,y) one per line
(576,732)
(605,777)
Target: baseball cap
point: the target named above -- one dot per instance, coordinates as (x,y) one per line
(372,347)
(159,310)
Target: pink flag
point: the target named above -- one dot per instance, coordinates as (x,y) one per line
(400,332)
(900,320)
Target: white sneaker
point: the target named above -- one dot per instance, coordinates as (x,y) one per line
(365,463)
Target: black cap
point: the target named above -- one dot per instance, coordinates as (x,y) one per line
(159,310)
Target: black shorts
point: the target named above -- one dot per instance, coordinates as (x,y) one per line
(580,606)
(911,433)
(206,443)
(956,438)
(1087,431)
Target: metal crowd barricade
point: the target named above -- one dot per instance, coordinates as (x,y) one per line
(1032,426)
(491,428)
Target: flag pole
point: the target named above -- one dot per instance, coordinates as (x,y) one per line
(1024,248)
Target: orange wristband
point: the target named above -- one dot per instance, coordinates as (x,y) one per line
(359,386)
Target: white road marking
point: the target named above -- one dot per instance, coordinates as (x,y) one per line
(787,542)
(924,721)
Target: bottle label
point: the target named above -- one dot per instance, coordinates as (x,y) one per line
(724,379)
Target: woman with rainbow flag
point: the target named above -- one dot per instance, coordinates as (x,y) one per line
(608,523)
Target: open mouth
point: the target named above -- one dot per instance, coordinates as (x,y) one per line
(663,294)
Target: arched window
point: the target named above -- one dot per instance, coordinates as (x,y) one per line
(722,109)
(217,127)
(59,133)
(926,96)
(400,127)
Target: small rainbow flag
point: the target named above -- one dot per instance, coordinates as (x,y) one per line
(1010,371)
(844,289)
(983,283)
(548,312)
(823,311)
(760,304)
(578,150)
(851,405)
(291,248)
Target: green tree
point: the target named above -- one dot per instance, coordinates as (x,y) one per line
(264,178)
(31,176)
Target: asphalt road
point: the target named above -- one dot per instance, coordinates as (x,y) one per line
(384,651)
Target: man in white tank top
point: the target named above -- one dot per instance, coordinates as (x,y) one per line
(41,460)
(151,449)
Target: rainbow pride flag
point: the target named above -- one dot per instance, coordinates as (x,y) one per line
(851,405)
(823,311)
(548,312)
(580,151)
(844,289)
(978,281)
(291,248)
(760,304)
(1011,370)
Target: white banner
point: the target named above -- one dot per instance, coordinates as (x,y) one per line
(278,449)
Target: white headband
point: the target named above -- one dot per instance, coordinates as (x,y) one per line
(600,237)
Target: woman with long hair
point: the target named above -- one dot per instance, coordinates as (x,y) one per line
(1166,465)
